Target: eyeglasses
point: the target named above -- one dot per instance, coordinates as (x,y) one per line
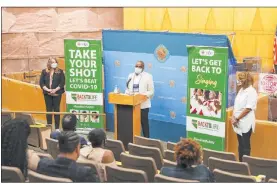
(138,66)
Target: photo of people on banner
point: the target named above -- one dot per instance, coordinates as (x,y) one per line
(86,118)
(205,102)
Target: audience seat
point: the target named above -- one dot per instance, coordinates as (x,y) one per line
(96,169)
(140,163)
(38,134)
(120,175)
(35,177)
(171,145)
(223,176)
(168,163)
(145,151)
(207,153)
(11,175)
(169,155)
(261,166)
(271,180)
(116,146)
(5,116)
(53,147)
(149,142)
(165,179)
(229,166)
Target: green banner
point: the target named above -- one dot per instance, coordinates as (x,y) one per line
(84,91)
(207,94)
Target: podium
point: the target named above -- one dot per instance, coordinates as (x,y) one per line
(127,120)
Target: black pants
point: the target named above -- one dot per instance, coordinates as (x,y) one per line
(244,144)
(275,68)
(53,104)
(144,122)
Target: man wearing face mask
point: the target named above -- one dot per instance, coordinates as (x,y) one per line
(243,119)
(52,81)
(141,82)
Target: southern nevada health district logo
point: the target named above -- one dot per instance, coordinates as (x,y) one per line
(161,53)
(81,97)
(269,83)
(205,125)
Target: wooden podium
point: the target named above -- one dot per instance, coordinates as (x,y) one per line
(127,122)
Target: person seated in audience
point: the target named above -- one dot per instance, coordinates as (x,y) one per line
(189,158)
(65,165)
(14,147)
(69,123)
(96,151)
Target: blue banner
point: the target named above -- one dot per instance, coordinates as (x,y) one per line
(165,57)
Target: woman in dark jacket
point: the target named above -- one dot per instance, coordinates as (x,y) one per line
(52,81)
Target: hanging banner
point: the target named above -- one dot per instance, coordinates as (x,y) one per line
(84,91)
(207,95)
(268,83)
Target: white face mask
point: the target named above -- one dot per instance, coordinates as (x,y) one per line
(138,70)
(54,65)
(239,83)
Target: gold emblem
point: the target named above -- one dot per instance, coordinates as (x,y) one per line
(117,63)
(184,100)
(172,114)
(183,69)
(172,83)
(150,65)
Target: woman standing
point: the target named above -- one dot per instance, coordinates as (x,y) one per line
(52,83)
(243,115)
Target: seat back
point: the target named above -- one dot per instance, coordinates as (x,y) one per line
(165,179)
(145,151)
(149,142)
(116,146)
(168,163)
(223,176)
(140,163)
(271,180)
(96,169)
(119,174)
(11,174)
(229,166)
(171,145)
(33,138)
(207,153)
(169,155)
(5,116)
(258,166)
(52,147)
(35,177)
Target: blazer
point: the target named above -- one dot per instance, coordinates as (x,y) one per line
(146,87)
(66,168)
(200,173)
(58,80)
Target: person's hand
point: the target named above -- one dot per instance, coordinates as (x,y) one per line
(53,91)
(235,122)
(49,90)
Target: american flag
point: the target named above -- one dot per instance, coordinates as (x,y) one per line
(275,49)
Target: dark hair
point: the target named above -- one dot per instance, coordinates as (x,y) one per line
(14,135)
(206,95)
(95,114)
(68,141)
(97,137)
(188,152)
(69,122)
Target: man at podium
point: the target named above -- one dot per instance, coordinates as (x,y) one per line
(141,82)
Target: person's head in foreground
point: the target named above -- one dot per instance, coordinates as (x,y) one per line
(139,67)
(14,145)
(188,152)
(244,80)
(69,145)
(69,122)
(97,137)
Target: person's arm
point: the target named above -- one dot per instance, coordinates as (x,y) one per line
(42,82)
(108,157)
(150,87)
(62,83)
(33,160)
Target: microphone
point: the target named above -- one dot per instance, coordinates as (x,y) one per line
(127,83)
